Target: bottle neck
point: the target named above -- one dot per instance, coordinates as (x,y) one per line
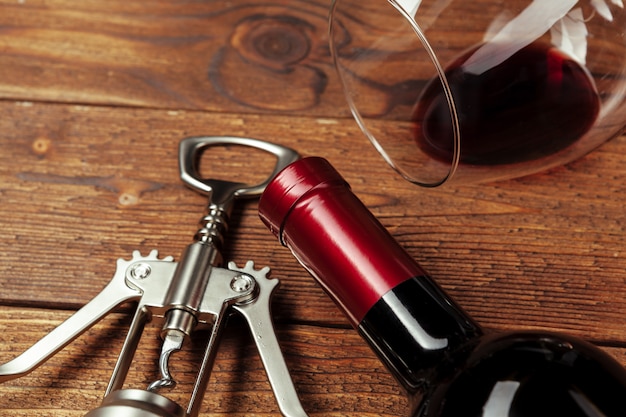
(414,328)
(408,320)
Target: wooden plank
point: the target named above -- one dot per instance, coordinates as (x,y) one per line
(334,371)
(83,186)
(95,97)
(252,57)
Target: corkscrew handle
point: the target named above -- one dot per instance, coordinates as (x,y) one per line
(219,191)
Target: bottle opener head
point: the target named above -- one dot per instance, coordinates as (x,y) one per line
(223,192)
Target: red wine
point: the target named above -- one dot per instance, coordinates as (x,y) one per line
(536,102)
(442,358)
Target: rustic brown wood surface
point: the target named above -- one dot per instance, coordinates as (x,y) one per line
(95,97)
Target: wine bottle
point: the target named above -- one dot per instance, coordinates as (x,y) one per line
(448,366)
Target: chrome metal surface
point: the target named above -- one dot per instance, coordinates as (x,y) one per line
(137,403)
(191,149)
(115,293)
(182,296)
(259,318)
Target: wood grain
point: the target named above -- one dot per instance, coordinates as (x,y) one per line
(95,97)
(322,362)
(219,56)
(511,252)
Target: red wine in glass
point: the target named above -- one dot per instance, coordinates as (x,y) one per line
(534,103)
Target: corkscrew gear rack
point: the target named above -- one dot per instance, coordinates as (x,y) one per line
(183,296)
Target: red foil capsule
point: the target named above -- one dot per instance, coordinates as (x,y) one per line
(312,211)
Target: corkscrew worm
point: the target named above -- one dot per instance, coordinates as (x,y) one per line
(195,292)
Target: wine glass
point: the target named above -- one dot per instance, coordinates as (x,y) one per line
(481,90)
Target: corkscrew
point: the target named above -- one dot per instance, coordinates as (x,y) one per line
(193,293)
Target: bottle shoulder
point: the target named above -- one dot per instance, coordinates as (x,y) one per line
(528,374)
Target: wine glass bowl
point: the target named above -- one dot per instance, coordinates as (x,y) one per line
(482,90)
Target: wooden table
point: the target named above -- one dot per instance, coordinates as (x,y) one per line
(95,97)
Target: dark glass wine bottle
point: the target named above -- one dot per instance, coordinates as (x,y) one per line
(441,357)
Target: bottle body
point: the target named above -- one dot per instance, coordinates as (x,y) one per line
(526,374)
(435,350)
(414,329)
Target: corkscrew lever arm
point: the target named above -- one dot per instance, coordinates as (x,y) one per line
(259,319)
(114,294)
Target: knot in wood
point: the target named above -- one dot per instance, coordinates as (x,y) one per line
(276,42)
